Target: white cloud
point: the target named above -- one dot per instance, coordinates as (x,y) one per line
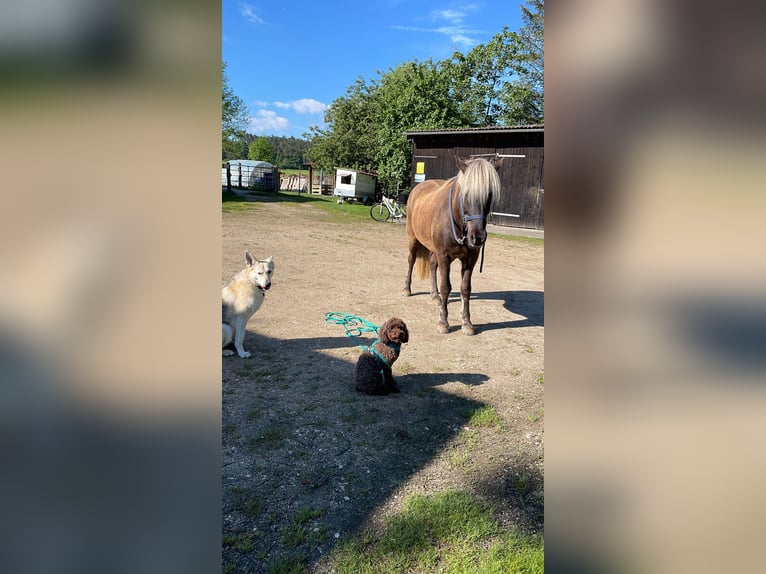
(248,13)
(308,106)
(454,29)
(267,121)
(449,15)
(303,106)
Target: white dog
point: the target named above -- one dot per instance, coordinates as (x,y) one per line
(241,297)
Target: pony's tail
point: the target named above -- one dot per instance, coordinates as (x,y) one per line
(422,267)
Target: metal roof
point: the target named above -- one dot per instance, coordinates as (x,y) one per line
(488,129)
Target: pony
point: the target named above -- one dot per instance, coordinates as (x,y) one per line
(447,220)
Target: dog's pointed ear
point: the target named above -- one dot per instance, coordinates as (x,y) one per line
(249,259)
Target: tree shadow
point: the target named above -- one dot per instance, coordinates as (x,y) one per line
(253,195)
(296,435)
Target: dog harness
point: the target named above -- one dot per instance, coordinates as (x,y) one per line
(378,355)
(355,326)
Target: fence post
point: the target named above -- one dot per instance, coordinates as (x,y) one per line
(228,176)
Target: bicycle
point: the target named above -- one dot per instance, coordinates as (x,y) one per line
(387,208)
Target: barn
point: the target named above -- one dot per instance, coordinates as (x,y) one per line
(522,199)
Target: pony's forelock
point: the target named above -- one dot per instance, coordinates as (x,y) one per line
(479,182)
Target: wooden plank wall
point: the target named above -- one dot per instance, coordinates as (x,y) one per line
(521,178)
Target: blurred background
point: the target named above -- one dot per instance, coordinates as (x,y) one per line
(109,279)
(655,286)
(110,266)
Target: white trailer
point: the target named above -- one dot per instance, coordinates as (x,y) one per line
(354,184)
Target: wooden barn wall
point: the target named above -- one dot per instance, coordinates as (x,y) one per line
(521,178)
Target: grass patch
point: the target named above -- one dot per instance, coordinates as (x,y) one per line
(343,212)
(519,238)
(231,202)
(230,430)
(406,368)
(482,417)
(450,532)
(298,531)
(239,542)
(290,565)
(533,418)
(270,438)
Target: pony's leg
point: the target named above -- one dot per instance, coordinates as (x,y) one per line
(445,288)
(466,271)
(413,248)
(434,265)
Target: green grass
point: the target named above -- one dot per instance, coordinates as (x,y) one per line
(340,213)
(298,531)
(520,238)
(533,418)
(270,438)
(482,417)
(449,532)
(239,542)
(291,565)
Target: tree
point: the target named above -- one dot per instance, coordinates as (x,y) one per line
(497,83)
(489,82)
(261,150)
(532,36)
(412,96)
(349,139)
(234,119)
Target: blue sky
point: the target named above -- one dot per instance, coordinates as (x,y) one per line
(289,60)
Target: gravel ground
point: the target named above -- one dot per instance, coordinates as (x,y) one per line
(308,461)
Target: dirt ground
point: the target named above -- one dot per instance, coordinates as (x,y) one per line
(296,435)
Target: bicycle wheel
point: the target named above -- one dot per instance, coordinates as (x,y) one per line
(379,212)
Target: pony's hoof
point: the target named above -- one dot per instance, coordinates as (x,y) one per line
(468,329)
(442,328)
(406,292)
(436,300)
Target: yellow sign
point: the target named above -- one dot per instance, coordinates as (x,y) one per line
(420,167)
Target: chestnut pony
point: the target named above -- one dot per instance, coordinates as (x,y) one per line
(447,220)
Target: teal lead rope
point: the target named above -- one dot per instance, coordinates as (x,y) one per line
(354,327)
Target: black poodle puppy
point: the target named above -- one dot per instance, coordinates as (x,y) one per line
(373,369)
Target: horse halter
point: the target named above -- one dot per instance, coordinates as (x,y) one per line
(465,218)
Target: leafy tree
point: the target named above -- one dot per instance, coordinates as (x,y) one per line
(414,95)
(497,83)
(488,82)
(234,119)
(532,36)
(288,151)
(261,150)
(349,139)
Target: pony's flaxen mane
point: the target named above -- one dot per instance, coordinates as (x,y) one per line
(479,182)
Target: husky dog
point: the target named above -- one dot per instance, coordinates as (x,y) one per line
(373,368)
(241,297)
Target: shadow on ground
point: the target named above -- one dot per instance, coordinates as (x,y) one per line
(530,305)
(307,459)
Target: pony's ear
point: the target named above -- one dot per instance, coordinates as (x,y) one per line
(497,161)
(462,163)
(249,259)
